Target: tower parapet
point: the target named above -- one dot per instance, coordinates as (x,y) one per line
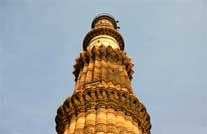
(104,20)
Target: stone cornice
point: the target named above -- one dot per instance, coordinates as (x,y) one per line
(103,98)
(103,31)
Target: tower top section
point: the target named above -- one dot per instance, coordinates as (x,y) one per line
(104,20)
(103,32)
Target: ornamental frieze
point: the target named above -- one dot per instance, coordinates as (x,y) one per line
(103,98)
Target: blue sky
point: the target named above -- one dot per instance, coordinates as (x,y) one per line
(40,39)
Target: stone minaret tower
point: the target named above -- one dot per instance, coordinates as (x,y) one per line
(103,101)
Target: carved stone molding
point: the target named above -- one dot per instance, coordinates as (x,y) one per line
(103,31)
(107,54)
(102,98)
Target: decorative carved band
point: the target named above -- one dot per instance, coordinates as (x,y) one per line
(104,53)
(103,31)
(102,98)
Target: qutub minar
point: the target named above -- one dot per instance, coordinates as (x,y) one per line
(103,101)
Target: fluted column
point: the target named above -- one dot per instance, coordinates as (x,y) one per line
(103,101)
(105,67)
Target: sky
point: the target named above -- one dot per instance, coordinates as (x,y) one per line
(166,39)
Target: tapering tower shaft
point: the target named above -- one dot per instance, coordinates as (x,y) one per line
(103,101)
